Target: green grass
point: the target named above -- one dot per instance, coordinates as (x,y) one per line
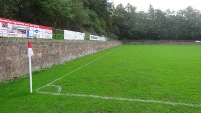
(150,72)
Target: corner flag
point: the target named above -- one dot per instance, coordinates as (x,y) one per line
(30,53)
(30,49)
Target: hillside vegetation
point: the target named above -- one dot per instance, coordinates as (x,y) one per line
(103,18)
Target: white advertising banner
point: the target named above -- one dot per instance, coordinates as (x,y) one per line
(45,32)
(72,35)
(12,28)
(97,38)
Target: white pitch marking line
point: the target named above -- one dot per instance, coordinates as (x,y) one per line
(49,84)
(104,97)
(124,99)
(58,87)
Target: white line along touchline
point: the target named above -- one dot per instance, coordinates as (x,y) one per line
(124,99)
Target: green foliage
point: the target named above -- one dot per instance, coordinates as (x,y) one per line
(87,36)
(157,24)
(58,34)
(102,18)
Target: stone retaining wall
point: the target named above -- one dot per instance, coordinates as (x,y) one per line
(163,43)
(14,60)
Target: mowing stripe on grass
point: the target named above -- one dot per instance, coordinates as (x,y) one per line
(190,54)
(124,99)
(50,84)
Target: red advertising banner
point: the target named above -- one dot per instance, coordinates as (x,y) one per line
(13,28)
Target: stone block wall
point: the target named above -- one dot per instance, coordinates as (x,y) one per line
(163,43)
(14,59)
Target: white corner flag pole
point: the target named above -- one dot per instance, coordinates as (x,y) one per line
(30,53)
(30,74)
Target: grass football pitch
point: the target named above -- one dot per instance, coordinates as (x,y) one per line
(123,79)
